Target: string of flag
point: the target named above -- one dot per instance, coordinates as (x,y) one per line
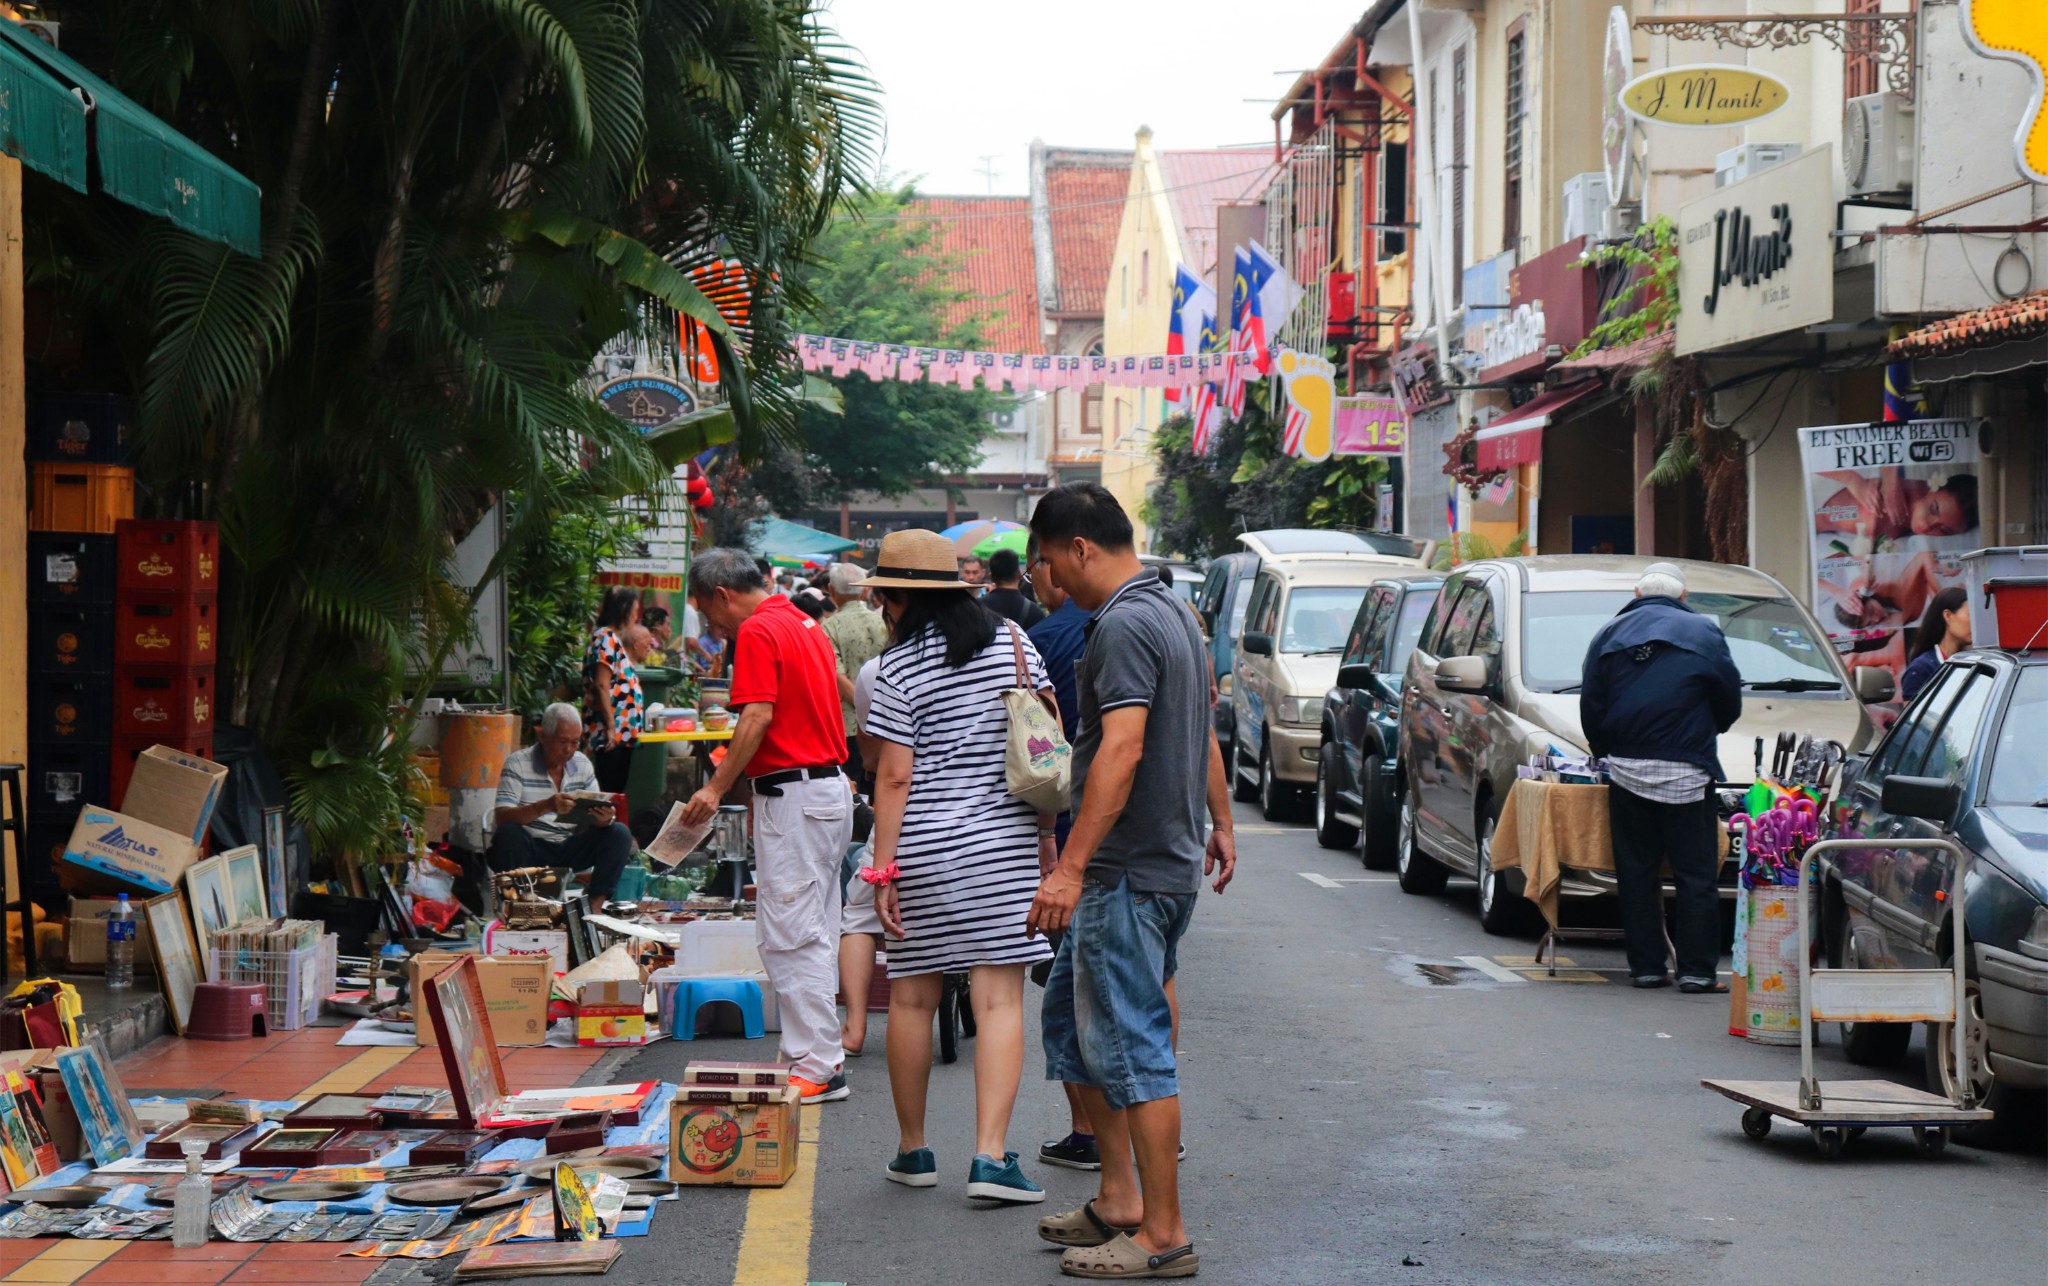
(1019,372)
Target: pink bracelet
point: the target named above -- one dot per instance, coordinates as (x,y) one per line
(879,875)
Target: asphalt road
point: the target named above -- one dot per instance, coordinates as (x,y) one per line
(1368,1098)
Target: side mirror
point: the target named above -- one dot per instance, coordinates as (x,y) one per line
(1874,685)
(1355,676)
(1462,673)
(1931,799)
(1257,644)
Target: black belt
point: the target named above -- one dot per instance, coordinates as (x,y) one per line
(770,783)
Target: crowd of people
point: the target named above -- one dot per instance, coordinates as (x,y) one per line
(886,691)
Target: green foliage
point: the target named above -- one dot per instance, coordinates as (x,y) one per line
(551,599)
(463,200)
(1470,546)
(1197,505)
(1650,258)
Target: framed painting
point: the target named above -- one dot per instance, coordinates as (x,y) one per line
(274,860)
(105,1119)
(469,1049)
(206,888)
(245,884)
(178,970)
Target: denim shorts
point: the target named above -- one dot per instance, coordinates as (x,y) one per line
(1105,1021)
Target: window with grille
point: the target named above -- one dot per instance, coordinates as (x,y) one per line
(1393,199)
(1859,72)
(1517,106)
(1459,79)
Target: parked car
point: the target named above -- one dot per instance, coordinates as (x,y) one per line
(1355,801)
(1302,607)
(1187,577)
(1495,676)
(1978,727)
(1225,592)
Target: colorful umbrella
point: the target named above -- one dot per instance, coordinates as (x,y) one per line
(966,535)
(1011,540)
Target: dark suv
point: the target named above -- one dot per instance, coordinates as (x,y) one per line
(1978,725)
(1355,798)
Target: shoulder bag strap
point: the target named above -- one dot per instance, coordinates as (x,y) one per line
(1017,647)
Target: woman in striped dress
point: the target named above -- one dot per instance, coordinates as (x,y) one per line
(956,858)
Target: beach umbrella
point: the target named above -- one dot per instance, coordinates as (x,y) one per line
(966,535)
(1011,540)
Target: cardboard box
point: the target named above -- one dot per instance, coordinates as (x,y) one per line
(552,943)
(174,790)
(515,995)
(611,1025)
(745,1145)
(85,935)
(717,1071)
(611,993)
(129,850)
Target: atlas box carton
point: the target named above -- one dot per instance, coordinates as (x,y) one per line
(128,850)
(743,1145)
(174,790)
(515,995)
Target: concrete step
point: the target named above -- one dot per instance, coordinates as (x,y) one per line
(126,1018)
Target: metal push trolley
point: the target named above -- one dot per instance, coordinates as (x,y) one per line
(1847,1108)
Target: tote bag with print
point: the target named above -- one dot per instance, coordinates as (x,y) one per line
(1039,764)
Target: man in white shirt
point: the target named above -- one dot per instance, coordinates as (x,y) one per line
(539,784)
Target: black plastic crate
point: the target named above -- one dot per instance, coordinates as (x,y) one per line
(64,640)
(79,428)
(64,776)
(47,837)
(70,712)
(71,567)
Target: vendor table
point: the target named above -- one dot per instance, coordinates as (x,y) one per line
(1547,828)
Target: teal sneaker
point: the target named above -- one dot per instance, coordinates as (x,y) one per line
(915,1169)
(992,1181)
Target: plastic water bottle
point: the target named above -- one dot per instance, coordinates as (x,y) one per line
(121,945)
(192,1202)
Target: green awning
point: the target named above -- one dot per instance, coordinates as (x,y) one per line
(778,537)
(41,122)
(140,160)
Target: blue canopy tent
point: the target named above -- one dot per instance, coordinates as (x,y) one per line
(792,544)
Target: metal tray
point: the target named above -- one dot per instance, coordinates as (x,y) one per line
(446,1192)
(625,1167)
(308,1191)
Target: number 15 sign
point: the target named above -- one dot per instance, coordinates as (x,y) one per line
(1369,426)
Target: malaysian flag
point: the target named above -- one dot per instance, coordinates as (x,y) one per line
(1270,296)
(1194,301)
(1207,417)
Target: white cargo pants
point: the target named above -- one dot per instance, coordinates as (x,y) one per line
(800,838)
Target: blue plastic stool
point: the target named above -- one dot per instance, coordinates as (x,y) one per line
(692,994)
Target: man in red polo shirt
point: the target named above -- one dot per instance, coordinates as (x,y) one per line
(789,743)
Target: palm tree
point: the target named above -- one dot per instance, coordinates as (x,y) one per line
(463,200)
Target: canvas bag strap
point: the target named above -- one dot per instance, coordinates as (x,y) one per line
(1017,647)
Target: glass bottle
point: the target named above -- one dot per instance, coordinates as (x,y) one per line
(192,1202)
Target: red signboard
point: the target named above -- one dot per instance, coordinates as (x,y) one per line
(1552,305)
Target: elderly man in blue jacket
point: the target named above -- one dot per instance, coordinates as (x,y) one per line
(1658,688)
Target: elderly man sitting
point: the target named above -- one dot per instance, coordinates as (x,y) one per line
(536,786)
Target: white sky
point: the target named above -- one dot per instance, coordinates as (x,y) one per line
(962,80)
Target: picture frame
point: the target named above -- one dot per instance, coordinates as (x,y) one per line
(469,1049)
(211,900)
(178,965)
(105,1119)
(573,911)
(274,858)
(248,900)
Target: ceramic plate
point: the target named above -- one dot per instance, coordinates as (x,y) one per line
(446,1192)
(626,1167)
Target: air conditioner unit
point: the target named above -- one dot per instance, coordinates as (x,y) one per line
(1010,421)
(1585,205)
(1738,163)
(1877,144)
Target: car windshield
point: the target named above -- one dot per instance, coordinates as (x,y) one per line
(1408,630)
(1769,639)
(1319,617)
(2019,772)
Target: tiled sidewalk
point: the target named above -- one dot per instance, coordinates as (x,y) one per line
(289,1065)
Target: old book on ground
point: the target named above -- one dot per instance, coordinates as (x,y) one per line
(539,1259)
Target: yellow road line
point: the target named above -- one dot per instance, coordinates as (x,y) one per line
(65,1262)
(360,1070)
(775,1243)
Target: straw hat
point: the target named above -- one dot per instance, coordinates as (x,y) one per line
(916,559)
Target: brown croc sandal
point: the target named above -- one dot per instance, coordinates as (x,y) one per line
(1081,1227)
(1123,1258)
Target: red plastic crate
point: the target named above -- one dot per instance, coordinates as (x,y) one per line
(129,748)
(166,629)
(158,557)
(163,701)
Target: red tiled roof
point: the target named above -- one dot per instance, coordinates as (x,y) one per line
(1197,182)
(2022,318)
(1085,207)
(989,238)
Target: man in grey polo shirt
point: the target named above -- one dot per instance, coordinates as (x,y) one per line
(1145,766)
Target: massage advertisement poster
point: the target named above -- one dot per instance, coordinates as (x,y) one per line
(1892,506)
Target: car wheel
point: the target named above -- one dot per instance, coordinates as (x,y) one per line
(1276,797)
(1243,790)
(1418,872)
(1330,832)
(1376,843)
(1501,910)
(2013,1114)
